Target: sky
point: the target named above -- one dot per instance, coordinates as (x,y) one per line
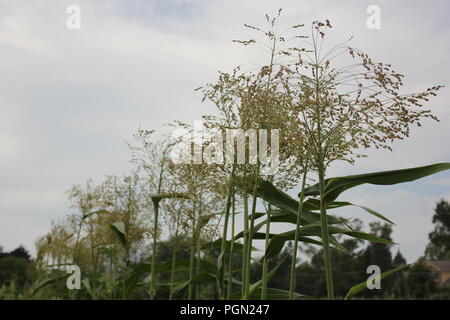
(69,99)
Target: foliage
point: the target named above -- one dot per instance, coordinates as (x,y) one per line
(439,247)
(328,106)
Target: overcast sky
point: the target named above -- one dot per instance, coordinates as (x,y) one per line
(70,98)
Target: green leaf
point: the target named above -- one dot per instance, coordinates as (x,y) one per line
(161,267)
(335,244)
(335,186)
(262,236)
(88,287)
(368,237)
(119,229)
(203,221)
(283,216)
(272,294)
(200,278)
(87,215)
(277,241)
(363,285)
(220,260)
(156,197)
(338,204)
(268,192)
(47,282)
(257,284)
(217,244)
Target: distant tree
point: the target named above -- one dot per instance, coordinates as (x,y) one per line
(378,254)
(281,282)
(21,252)
(14,266)
(399,260)
(310,281)
(399,287)
(439,246)
(345,264)
(420,282)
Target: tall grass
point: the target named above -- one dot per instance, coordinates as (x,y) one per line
(299,92)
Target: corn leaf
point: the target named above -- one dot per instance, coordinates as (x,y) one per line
(257,284)
(277,241)
(119,229)
(363,285)
(335,186)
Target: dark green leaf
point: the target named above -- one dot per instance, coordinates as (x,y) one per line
(335,186)
(363,285)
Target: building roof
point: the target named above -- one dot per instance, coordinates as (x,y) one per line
(442,266)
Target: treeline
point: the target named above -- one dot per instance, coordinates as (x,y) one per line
(349,267)
(20,274)
(17,272)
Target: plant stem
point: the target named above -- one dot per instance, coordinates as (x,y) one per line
(325,236)
(230,263)
(191,273)
(266,243)
(250,235)
(155,231)
(93,265)
(321,172)
(197,271)
(244,253)
(174,257)
(224,236)
(269,209)
(127,224)
(197,242)
(155,224)
(75,251)
(292,283)
(266,260)
(192,255)
(111,275)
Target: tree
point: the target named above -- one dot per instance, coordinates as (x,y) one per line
(19,252)
(399,260)
(400,286)
(420,282)
(378,254)
(13,269)
(439,247)
(14,266)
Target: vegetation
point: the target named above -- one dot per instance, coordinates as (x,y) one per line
(328,106)
(439,247)
(19,274)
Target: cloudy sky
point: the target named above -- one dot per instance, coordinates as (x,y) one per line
(70,98)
